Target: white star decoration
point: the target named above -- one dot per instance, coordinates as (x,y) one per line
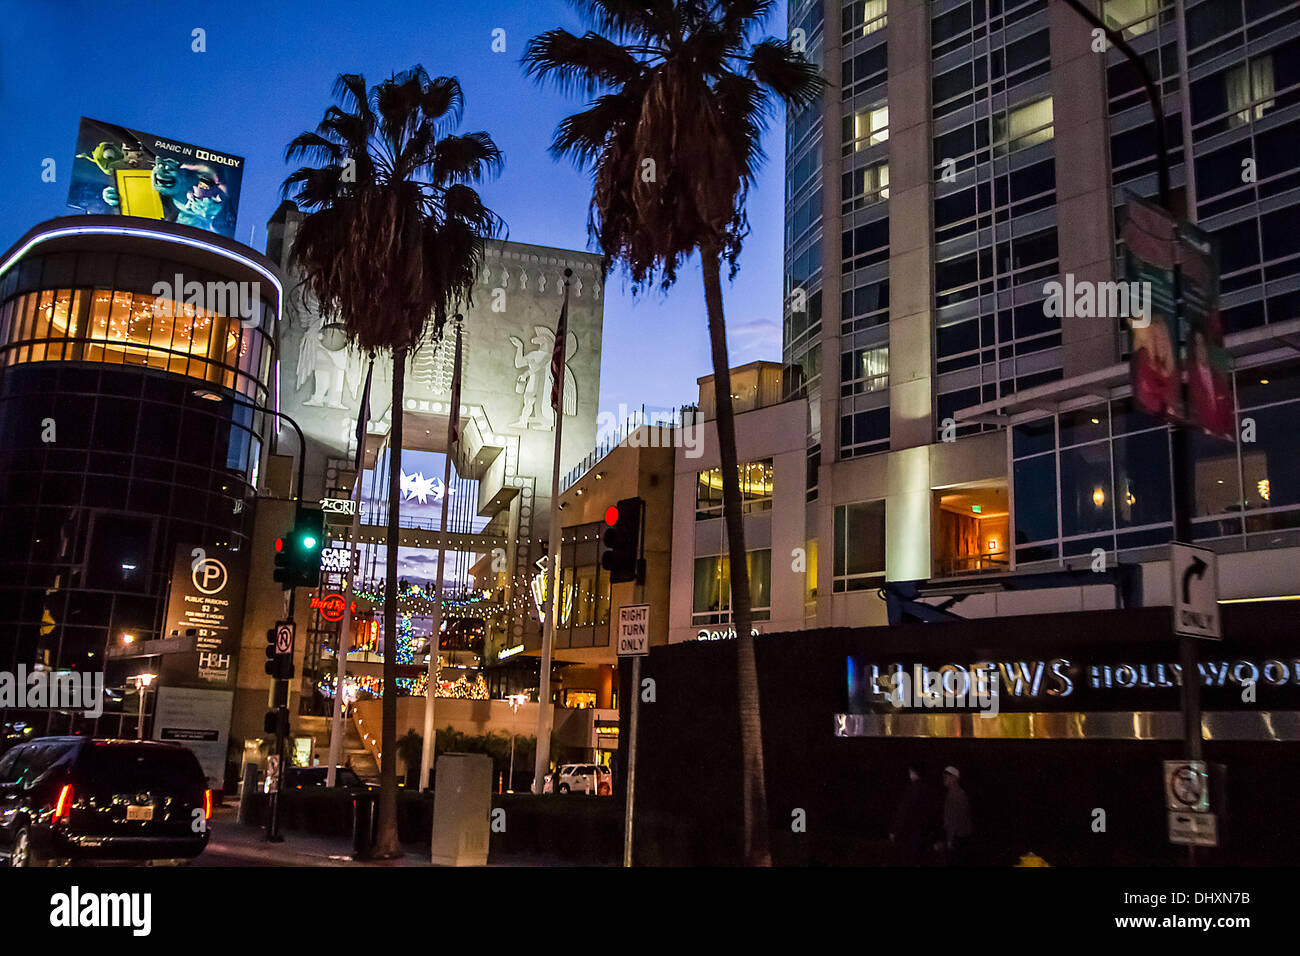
(420,488)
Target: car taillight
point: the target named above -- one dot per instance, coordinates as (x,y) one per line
(63,808)
(207,804)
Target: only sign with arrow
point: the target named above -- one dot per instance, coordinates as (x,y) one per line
(1196,592)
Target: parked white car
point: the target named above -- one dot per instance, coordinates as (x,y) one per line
(581,778)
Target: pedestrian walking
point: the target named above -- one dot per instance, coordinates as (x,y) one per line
(912,820)
(956,819)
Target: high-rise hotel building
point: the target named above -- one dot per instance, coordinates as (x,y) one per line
(966,153)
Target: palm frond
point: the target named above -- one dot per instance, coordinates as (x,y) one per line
(578,63)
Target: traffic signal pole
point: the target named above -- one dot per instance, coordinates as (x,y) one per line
(629,798)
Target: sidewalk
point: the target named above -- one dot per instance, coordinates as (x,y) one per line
(236,844)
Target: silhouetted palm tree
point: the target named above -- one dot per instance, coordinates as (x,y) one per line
(390,245)
(672,136)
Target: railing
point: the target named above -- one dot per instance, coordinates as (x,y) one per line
(683,416)
(973,564)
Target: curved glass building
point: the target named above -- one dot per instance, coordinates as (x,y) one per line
(133,358)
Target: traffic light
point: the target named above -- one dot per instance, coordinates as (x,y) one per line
(276,722)
(297,555)
(622,538)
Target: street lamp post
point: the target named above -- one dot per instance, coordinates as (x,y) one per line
(141,683)
(515,701)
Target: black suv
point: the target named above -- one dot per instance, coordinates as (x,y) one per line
(76,799)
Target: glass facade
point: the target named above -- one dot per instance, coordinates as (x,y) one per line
(101,307)
(122,437)
(994,203)
(1101,476)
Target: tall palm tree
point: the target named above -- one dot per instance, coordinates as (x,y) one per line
(681,97)
(390,246)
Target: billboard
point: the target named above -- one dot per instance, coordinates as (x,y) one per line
(122,170)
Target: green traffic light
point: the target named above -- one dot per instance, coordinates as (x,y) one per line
(309,542)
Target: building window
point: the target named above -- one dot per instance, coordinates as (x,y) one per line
(868,127)
(712,602)
(863,18)
(864,370)
(755,489)
(861,187)
(1133,17)
(859,559)
(864,307)
(1023,126)
(864,432)
(814,471)
(1250,90)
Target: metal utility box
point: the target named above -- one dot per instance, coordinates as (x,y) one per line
(462,806)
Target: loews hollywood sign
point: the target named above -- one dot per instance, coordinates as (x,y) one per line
(1059,677)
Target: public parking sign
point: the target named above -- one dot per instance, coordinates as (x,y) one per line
(634,630)
(1196,592)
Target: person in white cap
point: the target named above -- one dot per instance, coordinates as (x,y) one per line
(956,817)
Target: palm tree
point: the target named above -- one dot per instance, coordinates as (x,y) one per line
(390,246)
(672,137)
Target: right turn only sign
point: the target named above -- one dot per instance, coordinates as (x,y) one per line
(1196,592)
(634,630)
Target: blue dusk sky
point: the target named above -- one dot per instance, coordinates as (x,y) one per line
(267,74)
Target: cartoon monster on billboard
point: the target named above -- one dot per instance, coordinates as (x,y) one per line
(121,170)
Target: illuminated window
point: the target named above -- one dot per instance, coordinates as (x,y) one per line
(873,15)
(864,370)
(755,489)
(866,128)
(1023,126)
(1250,90)
(1133,17)
(864,186)
(712,598)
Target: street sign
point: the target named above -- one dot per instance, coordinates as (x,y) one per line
(1193,829)
(284,637)
(1187,786)
(1195,592)
(634,630)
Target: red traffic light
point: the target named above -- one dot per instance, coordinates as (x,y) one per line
(279,545)
(611,515)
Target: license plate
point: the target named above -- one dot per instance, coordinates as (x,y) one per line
(139,813)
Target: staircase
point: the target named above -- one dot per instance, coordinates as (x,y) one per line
(355,754)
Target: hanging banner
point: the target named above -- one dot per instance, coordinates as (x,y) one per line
(1149,259)
(1207,363)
